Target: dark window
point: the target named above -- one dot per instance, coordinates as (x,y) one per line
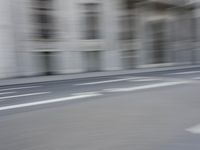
(45,33)
(43,4)
(127,27)
(43,18)
(127,21)
(44,28)
(91,21)
(128,4)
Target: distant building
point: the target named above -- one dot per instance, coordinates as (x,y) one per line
(44,37)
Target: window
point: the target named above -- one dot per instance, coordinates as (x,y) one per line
(45,33)
(91,21)
(128,4)
(127,21)
(43,19)
(127,27)
(43,4)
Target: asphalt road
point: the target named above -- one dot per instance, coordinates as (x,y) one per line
(149,111)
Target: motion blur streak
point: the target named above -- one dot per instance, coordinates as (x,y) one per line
(99,74)
(52,37)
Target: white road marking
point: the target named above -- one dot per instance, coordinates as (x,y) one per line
(49,101)
(23,95)
(107,81)
(146,80)
(19,88)
(194,130)
(135,88)
(86,93)
(4,93)
(196,78)
(181,73)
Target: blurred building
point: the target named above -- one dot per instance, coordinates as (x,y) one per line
(44,37)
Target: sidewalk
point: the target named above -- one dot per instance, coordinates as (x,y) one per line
(25,80)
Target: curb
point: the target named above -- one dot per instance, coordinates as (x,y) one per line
(40,79)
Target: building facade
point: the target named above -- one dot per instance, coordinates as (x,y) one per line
(45,37)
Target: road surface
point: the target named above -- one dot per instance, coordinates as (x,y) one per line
(148,111)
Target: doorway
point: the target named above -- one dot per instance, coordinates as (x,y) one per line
(46,59)
(92,61)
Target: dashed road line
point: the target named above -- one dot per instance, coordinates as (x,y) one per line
(146,80)
(136,88)
(87,93)
(23,95)
(194,130)
(196,78)
(49,101)
(19,88)
(109,81)
(4,93)
(182,73)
